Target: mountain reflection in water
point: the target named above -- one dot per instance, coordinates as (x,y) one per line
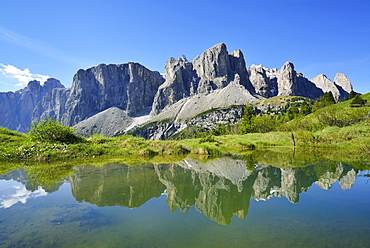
(219,188)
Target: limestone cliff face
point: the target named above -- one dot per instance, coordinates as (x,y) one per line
(213,70)
(291,83)
(288,82)
(264,80)
(216,79)
(180,83)
(322,82)
(16,107)
(343,83)
(52,105)
(130,87)
(216,68)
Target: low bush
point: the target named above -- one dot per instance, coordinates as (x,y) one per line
(49,130)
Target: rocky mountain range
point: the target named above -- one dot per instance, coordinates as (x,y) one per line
(117,99)
(16,108)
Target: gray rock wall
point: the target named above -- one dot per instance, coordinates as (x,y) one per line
(16,107)
(130,87)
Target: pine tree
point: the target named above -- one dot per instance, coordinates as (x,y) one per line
(358,100)
(305,109)
(248,119)
(352,94)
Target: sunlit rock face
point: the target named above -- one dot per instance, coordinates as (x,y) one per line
(213,70)
(322,82)
(343,82)
(216,79)
(264,80)
(16,107)
(52,105)
(181,82)
(216,68)
(130,87)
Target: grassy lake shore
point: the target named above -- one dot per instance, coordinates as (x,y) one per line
(348,131)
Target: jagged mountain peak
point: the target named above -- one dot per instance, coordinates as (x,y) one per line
(214,79)
(288,66)
(343,81)
(16,107)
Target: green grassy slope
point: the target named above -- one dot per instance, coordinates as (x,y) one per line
(310,131)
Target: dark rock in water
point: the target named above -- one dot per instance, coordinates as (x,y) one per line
(130,87)
(16,107)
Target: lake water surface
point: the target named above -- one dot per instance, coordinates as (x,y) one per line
(224,202)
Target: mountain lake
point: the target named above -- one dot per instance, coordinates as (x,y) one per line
(256,201)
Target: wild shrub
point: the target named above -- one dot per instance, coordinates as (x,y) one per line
(49,130)
(331,117)
(220,130)
(246,145)
(358,100)
(265,123)
(209,138)
(352,94)
(324,101)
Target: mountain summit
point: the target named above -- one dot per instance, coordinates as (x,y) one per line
(116,99)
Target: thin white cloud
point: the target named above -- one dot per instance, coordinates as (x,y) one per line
(23,76)
(21,195)
(41,47)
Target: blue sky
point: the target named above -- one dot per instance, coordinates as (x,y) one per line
(56,38)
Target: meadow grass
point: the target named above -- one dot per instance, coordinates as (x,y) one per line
(307,132)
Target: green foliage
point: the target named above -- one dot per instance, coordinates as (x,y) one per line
(209,138)
(246,145)
(49,130)
(326,100)
(305,109)
(358,100)
(265,123)
(352,94)
(328,97)
(248,119)
(340,116)
(190,133)
(292,112)
(220,130)
(207,150)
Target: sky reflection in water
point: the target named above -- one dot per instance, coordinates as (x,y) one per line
(189,203)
